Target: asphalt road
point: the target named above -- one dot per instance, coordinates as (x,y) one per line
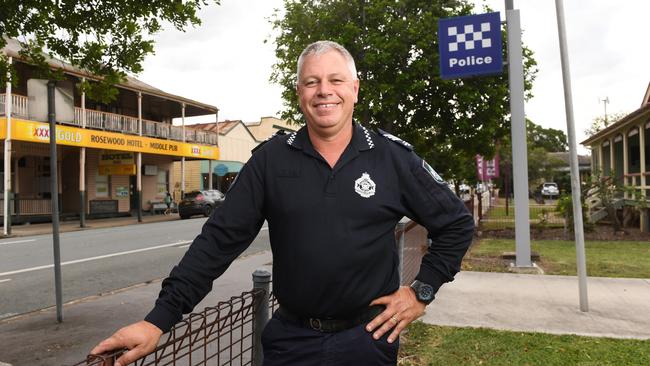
(94,261)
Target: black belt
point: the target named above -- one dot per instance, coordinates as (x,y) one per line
(330,325)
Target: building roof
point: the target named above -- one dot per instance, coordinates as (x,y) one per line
(13,48)
(224,127)
(565,157)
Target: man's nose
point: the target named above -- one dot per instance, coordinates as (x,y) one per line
(324,88)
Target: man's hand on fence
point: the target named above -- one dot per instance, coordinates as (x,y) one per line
(402,307)
(139,338)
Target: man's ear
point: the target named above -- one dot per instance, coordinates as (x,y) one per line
(356,90)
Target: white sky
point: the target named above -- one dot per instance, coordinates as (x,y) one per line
(226,63)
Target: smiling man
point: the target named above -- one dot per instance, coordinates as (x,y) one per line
(332,194)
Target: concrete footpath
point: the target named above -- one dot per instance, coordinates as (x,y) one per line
(618,307)
(73,225)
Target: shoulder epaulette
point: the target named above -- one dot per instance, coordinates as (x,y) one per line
(396,139)
(276,134)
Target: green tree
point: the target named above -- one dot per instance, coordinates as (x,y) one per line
(107,38)
(548,139)
(540,141)
(394,44)
(601,122)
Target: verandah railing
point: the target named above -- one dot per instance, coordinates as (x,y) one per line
(18,105)
(117,122)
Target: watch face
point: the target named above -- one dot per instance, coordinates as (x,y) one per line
(425,292)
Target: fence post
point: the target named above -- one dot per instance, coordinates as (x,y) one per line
(261,280)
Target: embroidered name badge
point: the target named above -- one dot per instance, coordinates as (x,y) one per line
(432,172)
(364,186)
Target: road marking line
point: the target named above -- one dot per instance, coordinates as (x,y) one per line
(94,258)
(264,228)
(5,280)
(17,241)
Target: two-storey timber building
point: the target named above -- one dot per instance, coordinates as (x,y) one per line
(112,159)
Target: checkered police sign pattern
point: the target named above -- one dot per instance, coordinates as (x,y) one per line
(470,45)
(468,38)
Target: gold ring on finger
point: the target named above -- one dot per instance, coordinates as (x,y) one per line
(394,319)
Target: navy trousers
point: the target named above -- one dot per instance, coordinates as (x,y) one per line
(285,343)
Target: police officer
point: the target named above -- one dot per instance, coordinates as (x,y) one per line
(332,194)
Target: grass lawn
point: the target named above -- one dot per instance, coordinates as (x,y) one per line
(425,344)
(629,259)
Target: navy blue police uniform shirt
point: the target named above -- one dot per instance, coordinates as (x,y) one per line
(331,229)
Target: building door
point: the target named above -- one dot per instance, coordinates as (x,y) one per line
(133,186)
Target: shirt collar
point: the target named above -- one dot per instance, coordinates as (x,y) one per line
(361,138)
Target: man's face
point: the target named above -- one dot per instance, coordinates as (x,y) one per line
(327,91)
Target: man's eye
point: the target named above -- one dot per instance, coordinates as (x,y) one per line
(337,81)
(310,82)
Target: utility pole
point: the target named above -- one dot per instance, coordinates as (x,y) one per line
(54,189)
(578,228)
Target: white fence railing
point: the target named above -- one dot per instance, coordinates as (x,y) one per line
(18,105)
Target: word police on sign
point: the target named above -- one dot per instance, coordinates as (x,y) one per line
(470,45)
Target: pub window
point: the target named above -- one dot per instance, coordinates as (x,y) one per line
(161,183)
(102,185)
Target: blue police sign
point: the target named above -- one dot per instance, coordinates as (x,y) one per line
(470,45)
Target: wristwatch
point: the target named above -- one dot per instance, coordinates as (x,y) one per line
(423,291)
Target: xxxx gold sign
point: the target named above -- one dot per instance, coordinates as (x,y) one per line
(72,136)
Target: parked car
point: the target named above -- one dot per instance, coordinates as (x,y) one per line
(200,203)
(550,189)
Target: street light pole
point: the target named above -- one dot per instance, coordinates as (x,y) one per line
(573,154)
(54,192)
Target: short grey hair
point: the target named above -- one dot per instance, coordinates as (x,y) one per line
(321,47)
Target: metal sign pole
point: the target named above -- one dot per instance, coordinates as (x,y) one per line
(7,161)
(518,126)
(575,174)
(54,191)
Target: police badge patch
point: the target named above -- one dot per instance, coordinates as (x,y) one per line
(364,186)
(432,172)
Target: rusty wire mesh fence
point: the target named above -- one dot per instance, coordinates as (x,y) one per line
(219,335)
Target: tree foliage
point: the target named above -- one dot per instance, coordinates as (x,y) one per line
(107,38)
(395,46)
(548,139)
(540,142)
(601,122)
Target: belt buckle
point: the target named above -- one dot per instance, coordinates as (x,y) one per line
(316,324)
